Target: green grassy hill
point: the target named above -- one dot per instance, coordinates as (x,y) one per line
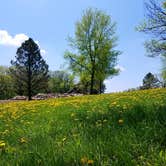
(120,129)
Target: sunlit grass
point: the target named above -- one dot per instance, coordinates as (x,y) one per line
(111,129)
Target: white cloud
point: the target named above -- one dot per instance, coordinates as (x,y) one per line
(7,40)
(121,68)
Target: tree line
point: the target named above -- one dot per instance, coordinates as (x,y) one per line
(57,82)
(92,60)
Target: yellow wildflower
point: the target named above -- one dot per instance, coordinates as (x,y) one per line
(2,144)
(84,160)
(23,140)
(120,121)
(90,162)
(114,103)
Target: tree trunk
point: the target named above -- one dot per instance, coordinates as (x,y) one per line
(29,89)
(92,81)
(100,90)
(29,79)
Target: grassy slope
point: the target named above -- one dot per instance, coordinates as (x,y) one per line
(116,129)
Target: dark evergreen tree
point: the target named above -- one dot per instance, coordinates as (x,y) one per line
(150,81)
(29,70)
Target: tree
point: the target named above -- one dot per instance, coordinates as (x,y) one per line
(4,70)
(6,84)
(29,70)
(60,82)
(94,57)
(155,25)
(150,81)
(83,86)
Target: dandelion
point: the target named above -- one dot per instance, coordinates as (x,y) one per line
(90,162)
(23,140)
(84,160)
(114,103)
(120,121)
(2,144)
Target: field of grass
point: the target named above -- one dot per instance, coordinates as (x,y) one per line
(121,129)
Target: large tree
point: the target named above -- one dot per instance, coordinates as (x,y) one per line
(29,70)
(150,81)
(155,26)
(94,57)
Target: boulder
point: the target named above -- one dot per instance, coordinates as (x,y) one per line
(19,98)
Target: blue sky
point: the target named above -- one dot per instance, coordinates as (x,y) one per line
(50,22)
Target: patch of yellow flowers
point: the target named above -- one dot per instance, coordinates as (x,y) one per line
(23,140)
(2,144)
(85,161)
(120,121)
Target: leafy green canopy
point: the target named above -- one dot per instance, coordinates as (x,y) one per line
(94,58)
(6,83)
(60,81)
